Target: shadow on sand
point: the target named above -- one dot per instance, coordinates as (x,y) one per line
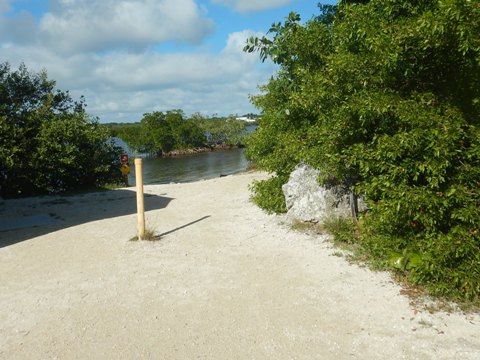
(158,237)
(23,219)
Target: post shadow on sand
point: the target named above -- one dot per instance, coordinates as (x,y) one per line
(158,237)
(47,214)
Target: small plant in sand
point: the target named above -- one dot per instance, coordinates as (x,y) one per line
(149,235)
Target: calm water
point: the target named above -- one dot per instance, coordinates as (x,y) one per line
(191,168)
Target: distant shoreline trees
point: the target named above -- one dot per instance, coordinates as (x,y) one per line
(161,133)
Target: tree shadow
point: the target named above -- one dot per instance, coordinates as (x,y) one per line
(23,219)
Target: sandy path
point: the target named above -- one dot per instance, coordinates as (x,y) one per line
(226,281)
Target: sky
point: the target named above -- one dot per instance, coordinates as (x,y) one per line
(131,57)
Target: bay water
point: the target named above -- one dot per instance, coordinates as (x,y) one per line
(190,168)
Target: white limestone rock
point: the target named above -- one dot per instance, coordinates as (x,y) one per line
(307,201)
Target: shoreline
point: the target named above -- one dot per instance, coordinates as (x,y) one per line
(200,150)
(225,280)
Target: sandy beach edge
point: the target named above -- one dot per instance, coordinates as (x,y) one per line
(225,280)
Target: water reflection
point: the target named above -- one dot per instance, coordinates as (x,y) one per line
(191,168)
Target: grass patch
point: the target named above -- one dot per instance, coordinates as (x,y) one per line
(149,235)
(308,227)
(343,230)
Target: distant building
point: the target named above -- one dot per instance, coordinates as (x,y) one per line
(246,119)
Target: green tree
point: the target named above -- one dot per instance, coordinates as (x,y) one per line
(187,134)
(163,132)
(385,99)
(128,132)
(190,135)
(222,130)
(155,136)
(47,141)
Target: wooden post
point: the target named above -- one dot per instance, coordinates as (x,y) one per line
(140,202)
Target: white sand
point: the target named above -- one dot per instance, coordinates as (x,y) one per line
(226,281)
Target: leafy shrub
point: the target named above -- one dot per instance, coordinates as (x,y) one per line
(385,99)
(343,230)
(268,194)
(48,143)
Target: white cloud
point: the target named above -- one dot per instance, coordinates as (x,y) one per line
(4,6)
(73,26)
(236,42)
(19,29)
(121,85)
(94,25)
(252,5)
(107,51)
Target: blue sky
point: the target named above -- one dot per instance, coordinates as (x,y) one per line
(130,57)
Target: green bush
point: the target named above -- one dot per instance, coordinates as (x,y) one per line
(343,230)
(384,98)
(268,194)
(450,264)
(48,144)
